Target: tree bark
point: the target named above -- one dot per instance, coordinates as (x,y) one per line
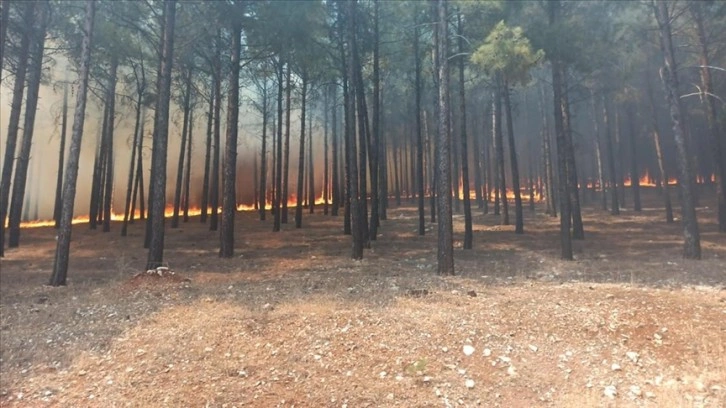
(353,179)
(262,198)
(60,264)
(214,193)
(598,153)
(286,147)
(207,157)
(277,202)
(665,189)
(468,229)
(691,234)
(157,196)
(634,172)
(186,106)
(615,204)
(229,202)
(301,157)
(419,136)
(519,217)
(111,101)
(58,205)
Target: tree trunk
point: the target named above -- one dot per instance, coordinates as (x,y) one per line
(60,264)
(286,147)
(132,166)
(717,137)
(634,172)
(157,196)
(665,189)
(4,20)
(301,157)
(519,220)
(277,202)
(58,205)
(598,153)
(229,203)
(262,198)
(468,230)
(326,152)
(214,193)
(551,196)
(363,137)
(578,230)
(498,140)
(374,140)
(139,183)
(335,205)
(111,101)
(353,180)
(419,136)
(311,168)
(207,157)
(14,120)
(186,106)
(691,235)
(188,169)
(31,103)
(615,204)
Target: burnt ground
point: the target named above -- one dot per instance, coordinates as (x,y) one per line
(292,321)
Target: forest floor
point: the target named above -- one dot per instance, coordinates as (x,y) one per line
(291,320)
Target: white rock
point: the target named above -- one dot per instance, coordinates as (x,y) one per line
(633,356)
(616,367)
(468,349)
(426,379)
(469,383)
(505,359)
(533,348)
(382,374)
(610,391)
(649,394)
(512,371)
(487,352)
(635,390)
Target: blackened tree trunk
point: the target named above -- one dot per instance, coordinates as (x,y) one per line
(549,176)
(111,101)
(229,202)
(326,151)
(139,182)
(262,197)
(598,153)
(31,103)
(301,157)
(15,110)
(97,179)
(188,169)
(132,166)
(498,140)
(217,134)
(351,157)
(277,201)
(311,169)
(286,146)
(445,253)
(634,172)
(612,175)
(578,230)
(358,90)
(519,220)
(665,189)
(717,138)
(157,196)
(478,169)
(207,157)
(335,190)
(374,140)
(691,235)
(419,136)
(186,106)
(61,158)
(468,231)
(60,264)
(4,20)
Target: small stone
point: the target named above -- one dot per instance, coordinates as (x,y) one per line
(82,373)
(468,349)
(616,367)
(469,383)
(382,374)
(700,387)
(512,371)
(487,352)
(445,349)
(610,391)
(609,296)
(427,379)
(533,348)
(208,349)
(633,356)
(505,359)
(389,396)
(635,390)
(649,394)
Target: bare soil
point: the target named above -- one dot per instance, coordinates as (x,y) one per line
(291,320)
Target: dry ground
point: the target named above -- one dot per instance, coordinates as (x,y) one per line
(292,321)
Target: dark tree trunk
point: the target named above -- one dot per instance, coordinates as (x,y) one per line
(214,193)
(97,178)
(229,203)
(665,189)
(445,253)
(301,157)
(478,170)
(335,205)
(4,19)
(498,140)
(262,197)
(485,159)
(615,208)
(546,152)
(188,169)
(326,152)
(598,154)
(277,202)
(468,231)
(60,264)
(359,101)
(31,103)
(717,137)
(207,157)
(634,172)
(139,182)
(129,206)
(186,106)
(311,169)
(57,207)
(286,147)
(578,230)
(374,140)
(519,220)
(419,136)
(111,101)
(691,235)
(157,195)
(353,180)
(561,137)
(15,110)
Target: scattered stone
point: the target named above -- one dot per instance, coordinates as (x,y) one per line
(649,394)
(616,367)
(471,293)
(636,391)
(533,348)
(505,359)
(610,391)
(487,352)
(427,379)
(82,373)
(633,356)
(512,371)
(469,383)
(382,374)
(468,349)
(609,296)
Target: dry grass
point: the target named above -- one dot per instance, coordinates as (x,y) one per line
(291,321)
